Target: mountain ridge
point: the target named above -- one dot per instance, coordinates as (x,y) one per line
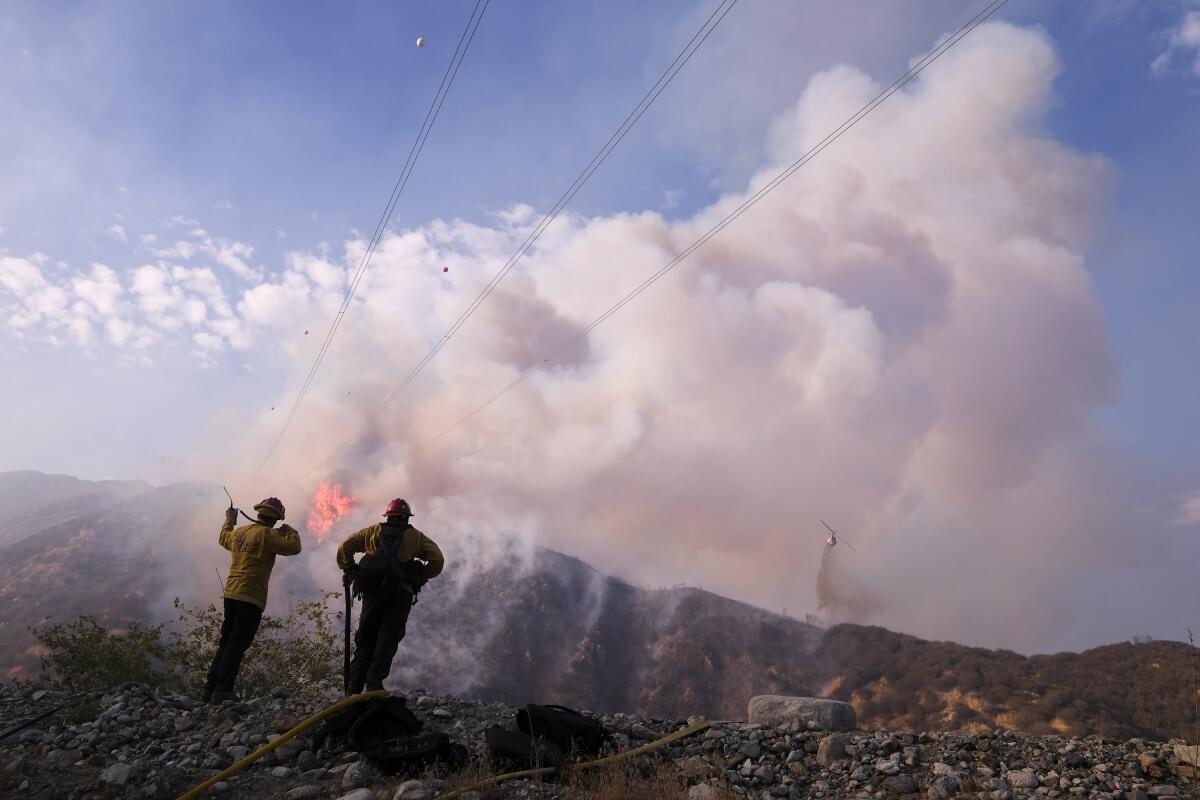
(550,627)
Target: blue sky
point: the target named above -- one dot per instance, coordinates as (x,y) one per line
(268,120)
(178,184)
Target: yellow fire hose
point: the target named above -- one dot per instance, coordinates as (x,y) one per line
(269,746)
(529,773)
(359,698)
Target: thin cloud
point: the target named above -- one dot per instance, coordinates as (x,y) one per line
(1189,510)
(1183,47)
(117,232)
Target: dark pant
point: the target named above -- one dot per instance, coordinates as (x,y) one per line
(237,634)
(380,629)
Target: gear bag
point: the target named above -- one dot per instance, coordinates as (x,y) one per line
(390,737)
(384,570)
(413,755)
(375,720)
(569,730)
(547,735)
(509,750)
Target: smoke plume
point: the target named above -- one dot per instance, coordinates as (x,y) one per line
(902,339)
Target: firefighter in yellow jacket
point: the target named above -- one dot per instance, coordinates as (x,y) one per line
(253,549)
(397,561)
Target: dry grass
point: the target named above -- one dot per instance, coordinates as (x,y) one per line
(632,779)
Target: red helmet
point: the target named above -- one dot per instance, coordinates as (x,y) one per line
(398,508)
(271,507)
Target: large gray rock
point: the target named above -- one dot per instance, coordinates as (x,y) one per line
(64,758)
(831,749)
(118,774)
(414,790)
(1188,754)
(305,792)
(357,775)
(1022,779)
(778,710)
(704,791)
(901,784)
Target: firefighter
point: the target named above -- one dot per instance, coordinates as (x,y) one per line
(253,549)
(397,561)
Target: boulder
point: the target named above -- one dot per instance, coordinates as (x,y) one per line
(1023,779)
(943,787)
(289,749)
(413,790)
(1188,754)
(357,775)
(305,792)
(307,760)
(776,711)
(118,774)
(64,758)
(704,791)
(358,794)
(31,736)
(694,767)
(900,784)
(832,748)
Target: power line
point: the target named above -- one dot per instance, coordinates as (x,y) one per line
(850,122)
(435,107)
(631,119)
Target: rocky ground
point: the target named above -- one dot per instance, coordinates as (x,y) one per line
(139,743)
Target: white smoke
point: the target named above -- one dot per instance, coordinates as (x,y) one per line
(903,339)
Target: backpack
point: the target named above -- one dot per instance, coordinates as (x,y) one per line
(376,720)
(511,751)
(412,755)
(390,737)
(569,730)
(383,570)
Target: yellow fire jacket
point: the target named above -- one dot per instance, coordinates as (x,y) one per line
(414,545)
(254,548)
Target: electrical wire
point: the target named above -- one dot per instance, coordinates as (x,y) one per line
(723,8)
(435,107)
(746,205)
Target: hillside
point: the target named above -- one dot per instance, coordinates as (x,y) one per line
(554,629)
(568,632)
(33,501)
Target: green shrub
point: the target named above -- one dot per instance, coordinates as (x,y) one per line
(301,651)
(88,657)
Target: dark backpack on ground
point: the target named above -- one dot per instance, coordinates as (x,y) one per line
(570,731)
(511,751)
(413,755)
(374,720)
(383,570)
(547,736)
(389,736)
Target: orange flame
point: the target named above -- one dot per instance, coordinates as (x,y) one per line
(329,504)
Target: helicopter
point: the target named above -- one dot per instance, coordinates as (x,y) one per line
(833,537)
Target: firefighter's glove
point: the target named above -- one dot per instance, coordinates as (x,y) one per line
(230,515)
(287,530)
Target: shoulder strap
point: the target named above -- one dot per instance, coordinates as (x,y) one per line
(393,549)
